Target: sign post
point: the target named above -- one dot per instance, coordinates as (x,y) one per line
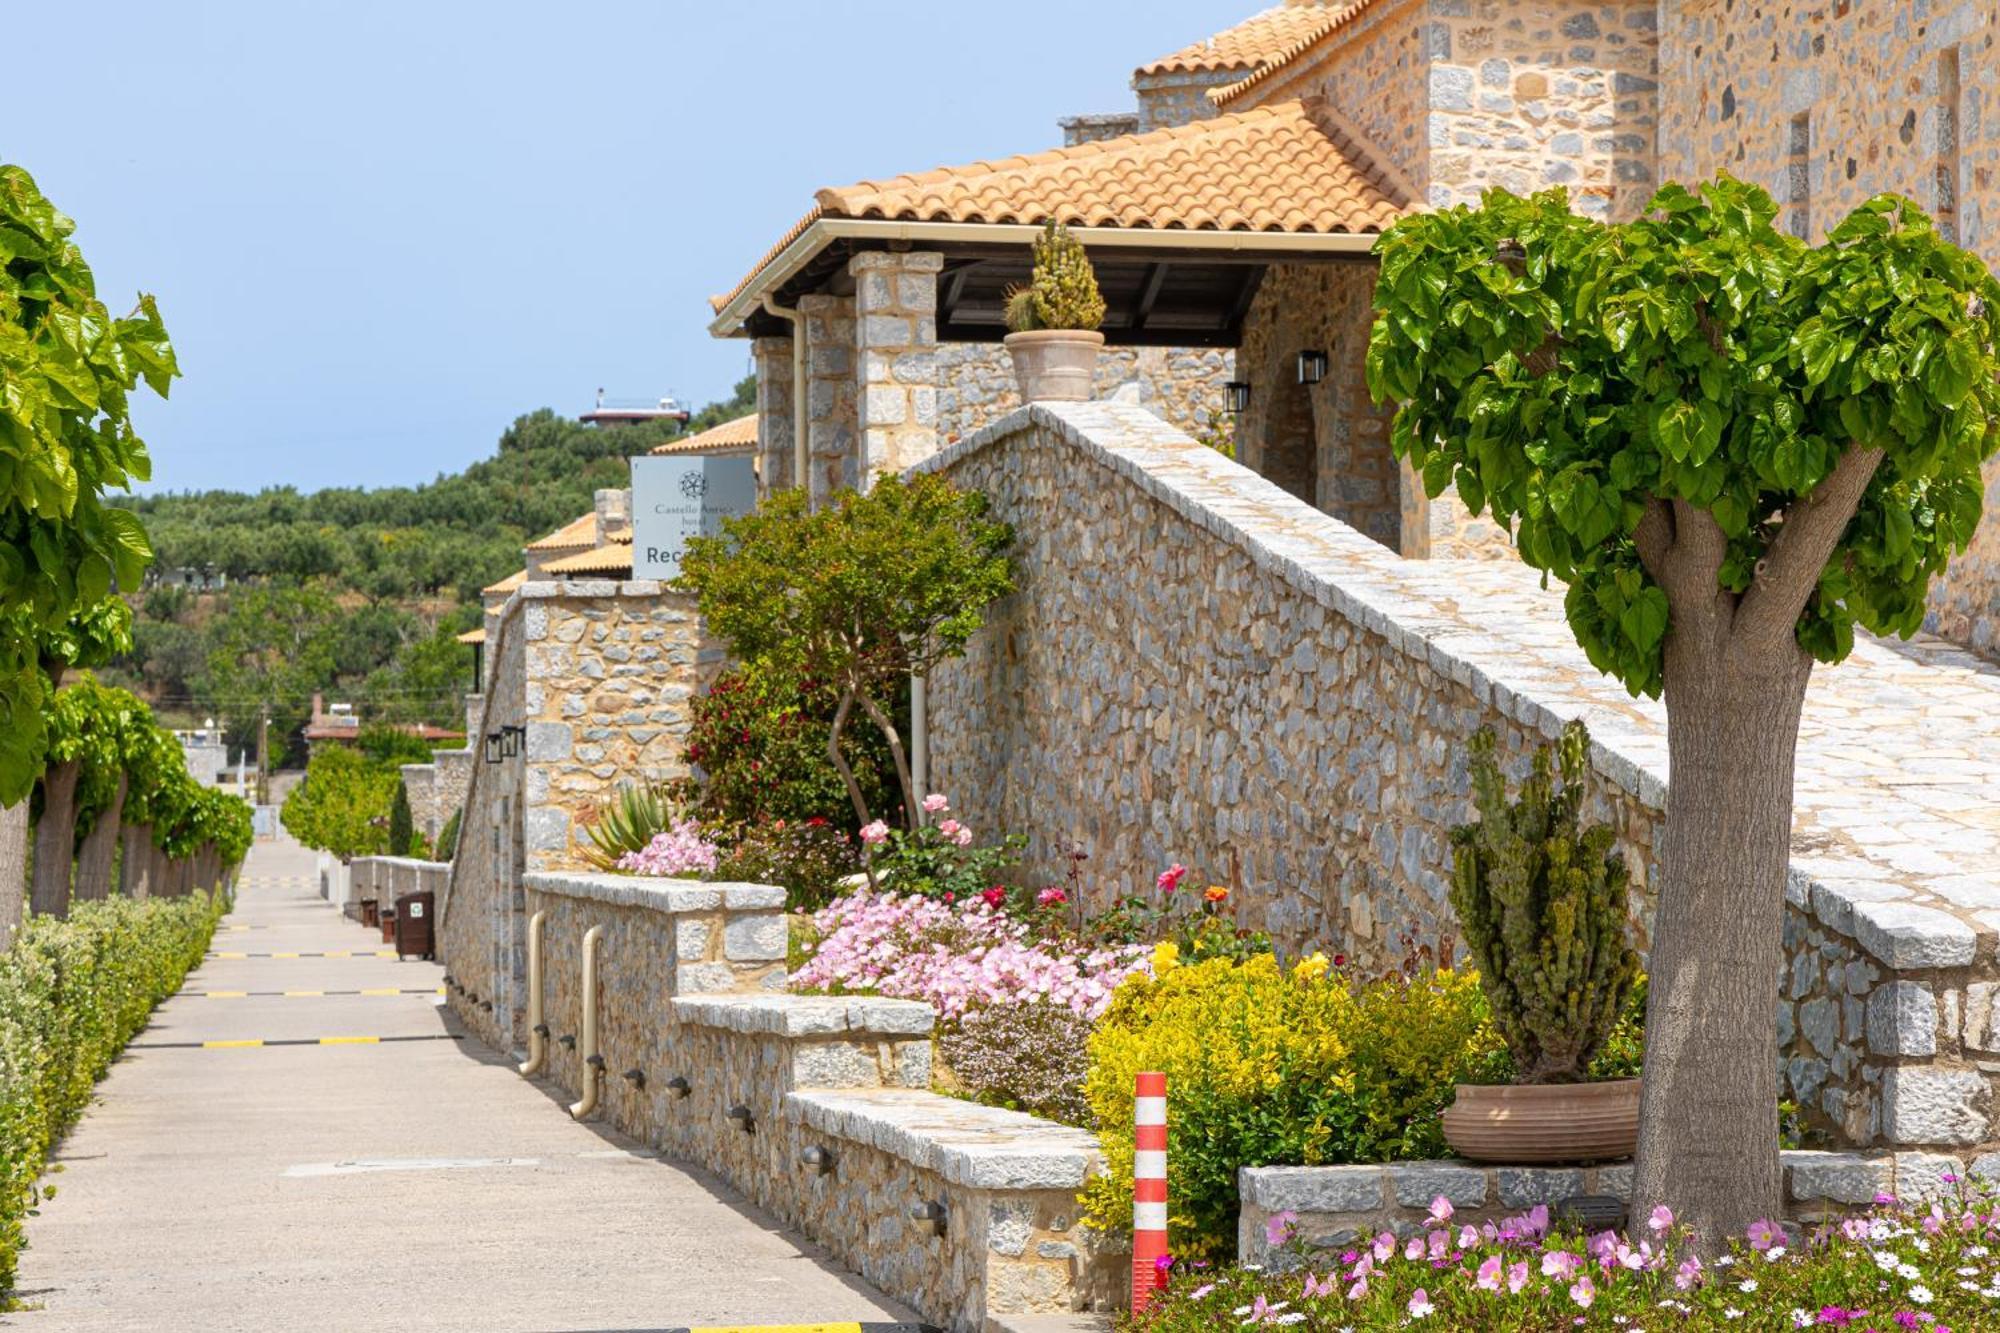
(676,497)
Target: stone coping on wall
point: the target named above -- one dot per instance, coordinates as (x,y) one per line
(965,1143)
(403,862)
(1899,748)
(656,893)
(798,1016)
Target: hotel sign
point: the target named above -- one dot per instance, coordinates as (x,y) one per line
(678,497)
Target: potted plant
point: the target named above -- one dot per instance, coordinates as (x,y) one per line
(1542,903)
(1054,339)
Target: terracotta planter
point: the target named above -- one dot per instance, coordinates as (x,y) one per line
(1559,1122)
(1055,365)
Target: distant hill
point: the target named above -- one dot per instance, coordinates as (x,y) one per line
(358,593)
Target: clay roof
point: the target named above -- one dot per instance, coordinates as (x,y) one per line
(738,436)
(506,585)
(1279,168)
(612,558)
(473,636)
(578,533)
(1253,42)
(1281,61)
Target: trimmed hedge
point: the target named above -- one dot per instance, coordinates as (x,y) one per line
(72,993)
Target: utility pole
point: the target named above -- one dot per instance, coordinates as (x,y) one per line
(263,757)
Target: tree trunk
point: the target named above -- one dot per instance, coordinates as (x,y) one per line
(13,869)
(135,860)
(1708,1131)
(55,839)
(907,784)
(93,860)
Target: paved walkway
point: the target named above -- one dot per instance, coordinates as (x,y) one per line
(414,1183)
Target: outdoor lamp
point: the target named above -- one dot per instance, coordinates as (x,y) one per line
(493,747)
(510,739)
(1312,367)
(1238,392)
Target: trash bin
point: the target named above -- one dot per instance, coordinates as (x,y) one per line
(388,923)
(414,915)
(368,909)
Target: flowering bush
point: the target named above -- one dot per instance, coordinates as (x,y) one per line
(682,850)
(1198,923)
(938,858)
(956,955)
(1298,1066)
(809,858)
(1026,1057)
(1928,1267)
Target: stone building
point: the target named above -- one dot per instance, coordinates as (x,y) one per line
(1231,213)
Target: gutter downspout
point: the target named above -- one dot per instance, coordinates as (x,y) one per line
(538,1031)
(798,324)
(593,1063)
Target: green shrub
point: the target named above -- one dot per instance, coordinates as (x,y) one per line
(402,826)
(447,846)
(343,805)
(1272,1066)
(809,859)
(1026,1057)
(72,993)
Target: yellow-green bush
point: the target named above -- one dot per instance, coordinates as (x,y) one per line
(1271,1065)
(72,993)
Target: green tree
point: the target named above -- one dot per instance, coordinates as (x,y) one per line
(67,438)
(269,650)
(1733,448)
(343,805)
(402,826)
(858,595)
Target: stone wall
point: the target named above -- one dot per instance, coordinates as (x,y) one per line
(437,789)
(895,330)
(832,417)
(700,1058)
(1183,385)
(1180,97)
(1827,109)
(1197,667)
(1095,128)
(777,459)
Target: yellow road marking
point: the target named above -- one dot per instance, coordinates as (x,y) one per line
(349,1041)
(226,1045)
(232,955)
(227,994)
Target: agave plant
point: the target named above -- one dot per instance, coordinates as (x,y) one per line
(627,822)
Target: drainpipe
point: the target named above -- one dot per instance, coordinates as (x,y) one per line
(920,735)
(538,1031)
(798,386)
(593,1063)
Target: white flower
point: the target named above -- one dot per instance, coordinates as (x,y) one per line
(1921,1294)
(1748,1284)
(1732,1313)
(1775,1253)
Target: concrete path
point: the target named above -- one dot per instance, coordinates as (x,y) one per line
(414,1183)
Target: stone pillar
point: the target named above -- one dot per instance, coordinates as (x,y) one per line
(895,322)
(775,459)
(830,384)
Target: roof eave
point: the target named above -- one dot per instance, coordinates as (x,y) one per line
(782,267)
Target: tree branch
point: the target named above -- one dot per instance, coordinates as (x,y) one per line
(1812,528)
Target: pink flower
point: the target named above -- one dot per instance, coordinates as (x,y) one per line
(1660,1218)
(1051,897)
(963,837)
(1170,878)
(1582,1292)
(875,833)
(935,803)
(1468,1237)
(1489,1274)
(1278,1227)
(1420,1303)
(1765,1233)
(1517,1277)
(1560,1264)
(1358,1290)
(681,850)
(1385,1245)
(1440,1209)
(1687,1274)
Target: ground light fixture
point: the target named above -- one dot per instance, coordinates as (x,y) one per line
(744,1120)
(1237,394)
(679,1086)
(933,1212)
(636,1077)
(1312,367)
(817,1160)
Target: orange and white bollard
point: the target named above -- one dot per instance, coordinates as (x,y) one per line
(1149,1189)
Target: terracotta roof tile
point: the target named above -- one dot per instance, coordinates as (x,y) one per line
(1251,43)
(506,585)
(1281,61)
(738,436)
(578,533)
(612,558)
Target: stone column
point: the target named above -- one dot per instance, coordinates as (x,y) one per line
(830,384)
(896,371)
(775,461)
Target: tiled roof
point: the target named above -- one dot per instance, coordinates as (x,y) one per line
(1253,42)
(506,585)
(1332,21)
(473,636)
(613,558)
(576,534)
(738,436)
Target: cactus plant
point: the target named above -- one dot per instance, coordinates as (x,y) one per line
(1063,292)
(1543,907)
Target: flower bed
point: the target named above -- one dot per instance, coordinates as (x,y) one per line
(1928,1267)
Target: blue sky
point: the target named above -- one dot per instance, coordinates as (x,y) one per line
(379,231)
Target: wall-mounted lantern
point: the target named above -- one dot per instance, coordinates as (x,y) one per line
(493,739)
(1312,367)
(510,740)
(1238,396)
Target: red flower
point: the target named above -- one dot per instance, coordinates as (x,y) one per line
(994,896)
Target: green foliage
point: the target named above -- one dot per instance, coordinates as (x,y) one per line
(401,827)
(932,862)
(1543,905)
(808,858)
(271,647)
(384,744)
(447,843)
(342,806)
(72,993)
(68,366)
(1272,1066)
(628,821)
(859,594)
(1063,293)
(1026,1057)
(1575,376)
(758,737)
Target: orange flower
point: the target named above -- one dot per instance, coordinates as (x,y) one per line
(1214,893)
